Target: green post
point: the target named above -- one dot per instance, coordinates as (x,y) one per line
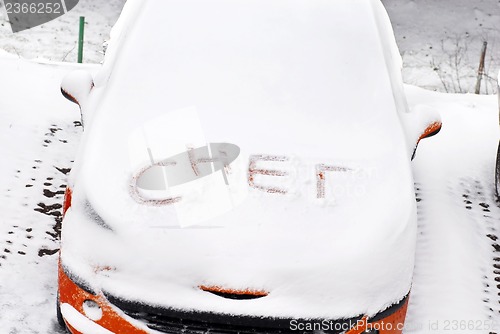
(80,39)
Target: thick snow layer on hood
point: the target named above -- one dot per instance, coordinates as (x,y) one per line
(319,191)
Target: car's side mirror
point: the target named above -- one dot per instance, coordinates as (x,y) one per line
(431,130)
(76,86)
(422,122)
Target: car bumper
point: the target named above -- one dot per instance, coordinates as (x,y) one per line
(72,297)
(122,316)
(78,323)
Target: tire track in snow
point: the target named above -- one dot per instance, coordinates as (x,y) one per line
(32,220)
(484,209)
(440,288)
(54,186)
(43,183)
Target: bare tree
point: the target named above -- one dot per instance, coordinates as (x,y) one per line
(456,72)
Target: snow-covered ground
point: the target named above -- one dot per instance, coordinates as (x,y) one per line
(57,39)
(456,276)
(39,133)
(441,42)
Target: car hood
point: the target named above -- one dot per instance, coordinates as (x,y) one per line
(330,260)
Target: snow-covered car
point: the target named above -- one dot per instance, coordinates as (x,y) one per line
(244,168)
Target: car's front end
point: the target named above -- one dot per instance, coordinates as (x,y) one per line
(272,265)
(88,311)
(250,174)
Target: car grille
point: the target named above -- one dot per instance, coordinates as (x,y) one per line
(166,320)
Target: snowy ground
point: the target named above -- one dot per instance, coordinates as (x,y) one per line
(39,133)
(441,42)
(458,259)
(57,40)
(456,274)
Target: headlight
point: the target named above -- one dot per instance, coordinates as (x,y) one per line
(92,310)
